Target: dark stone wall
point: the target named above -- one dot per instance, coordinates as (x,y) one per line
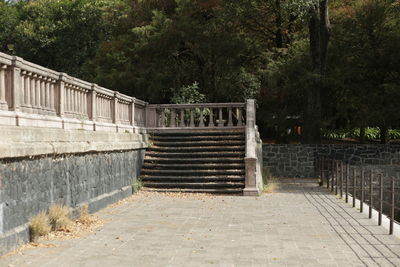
(297,160)
(30,185)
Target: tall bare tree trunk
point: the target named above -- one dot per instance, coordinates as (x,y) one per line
(319,30)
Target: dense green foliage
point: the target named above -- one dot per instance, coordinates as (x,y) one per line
(228,50)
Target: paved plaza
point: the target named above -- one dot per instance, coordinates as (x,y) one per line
(300,224)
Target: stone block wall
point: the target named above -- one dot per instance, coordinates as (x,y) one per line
(298,160)
(30,185)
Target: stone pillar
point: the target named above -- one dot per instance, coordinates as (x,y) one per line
(15,83)
(92,106)
(114,112)
(60,104)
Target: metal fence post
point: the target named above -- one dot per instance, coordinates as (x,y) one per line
(370,194)
(341,179)
(362,191)
(354,186)
(380,198)
(392,205)
(333,174)
(347,183)
(336,177)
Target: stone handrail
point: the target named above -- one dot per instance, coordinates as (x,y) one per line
(253,158)
(204,115)
(31,95)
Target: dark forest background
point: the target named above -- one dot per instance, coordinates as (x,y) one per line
(318,68)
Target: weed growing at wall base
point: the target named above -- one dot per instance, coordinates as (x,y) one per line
(39,225)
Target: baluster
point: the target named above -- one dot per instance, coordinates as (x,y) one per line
(201,122)
(23,90)
(27,89)
(182,122)
(47,99)
(162,117)
(230,123)
(33,89)
(85,99)
(220,121)
(173,115)
(211,119)
(239,117)
(37,90)
(52,106)
(191,124)
(42,92)
(3,102)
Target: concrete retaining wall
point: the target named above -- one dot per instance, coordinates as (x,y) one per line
(283,160)
(84,168)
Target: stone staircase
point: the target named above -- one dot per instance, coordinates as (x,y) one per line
(206,161)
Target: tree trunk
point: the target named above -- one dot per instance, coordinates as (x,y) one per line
(384,133)
(319,28)
(362,134)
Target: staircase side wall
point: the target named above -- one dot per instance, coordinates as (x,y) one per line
(83,168)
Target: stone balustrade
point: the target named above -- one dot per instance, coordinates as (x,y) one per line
(205,115)
(31,95)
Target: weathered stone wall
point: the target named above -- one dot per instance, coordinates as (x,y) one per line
(297,160)
(30,185)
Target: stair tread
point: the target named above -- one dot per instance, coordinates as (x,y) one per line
(200,143)
(191,159)
(199,137)
(204,165)
(187,190)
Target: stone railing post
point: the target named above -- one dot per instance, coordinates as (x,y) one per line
(92,108)
(132,111)
(151,116)
(61,95)
(15,84)
(251,156)
(115,108)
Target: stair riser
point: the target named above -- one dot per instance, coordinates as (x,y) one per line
(152,166)
(196,149)
(191,173)
(193,186)
(172,139)
(199,133)
(194,161)
(239,155)
(197,180)
(198,144)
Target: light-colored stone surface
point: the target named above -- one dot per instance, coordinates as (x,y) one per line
(301,225)
(29,141)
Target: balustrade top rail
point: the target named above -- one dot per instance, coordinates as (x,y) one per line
(34,91)
(199,115)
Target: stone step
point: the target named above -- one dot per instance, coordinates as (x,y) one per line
(236,154)
(200,143)
(211,132)
(182,185)
(186,190)
(198,149)
(209,166)
(184,179)
(192,172)
(197,138)
(193,160)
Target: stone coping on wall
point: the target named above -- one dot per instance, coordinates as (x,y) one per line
(29,141)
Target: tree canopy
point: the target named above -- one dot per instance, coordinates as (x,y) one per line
(312,65)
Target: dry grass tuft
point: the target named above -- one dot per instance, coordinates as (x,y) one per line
(39,225)
(271,186)
(84,217)
(59,217)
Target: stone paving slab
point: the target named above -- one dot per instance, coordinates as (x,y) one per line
(299,225)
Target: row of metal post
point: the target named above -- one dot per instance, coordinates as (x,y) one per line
(337,175)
